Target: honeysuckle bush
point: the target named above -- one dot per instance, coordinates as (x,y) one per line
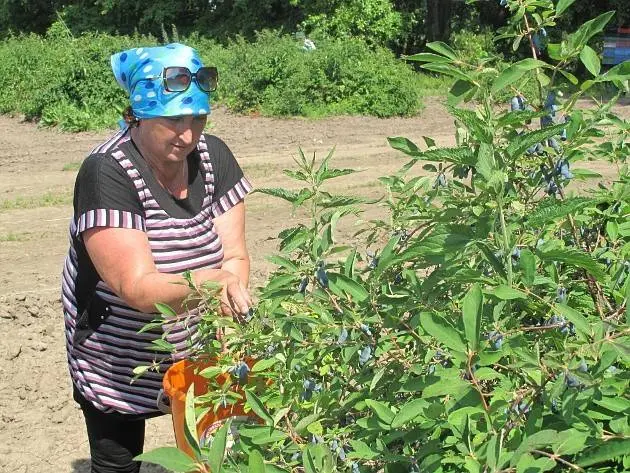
(481,326)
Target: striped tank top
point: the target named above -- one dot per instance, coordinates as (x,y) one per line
(114,188)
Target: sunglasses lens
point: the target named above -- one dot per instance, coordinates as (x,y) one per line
(207,78)
(176,79)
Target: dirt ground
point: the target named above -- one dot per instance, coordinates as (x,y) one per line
(41,429)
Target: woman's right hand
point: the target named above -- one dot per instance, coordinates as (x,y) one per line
(235,298)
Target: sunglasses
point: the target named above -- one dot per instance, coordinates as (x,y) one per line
(178,79)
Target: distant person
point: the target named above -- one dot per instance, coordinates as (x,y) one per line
(158,198)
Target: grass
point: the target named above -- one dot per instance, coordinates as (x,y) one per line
(15,236)
(430,85)
(74,166)
(49,199)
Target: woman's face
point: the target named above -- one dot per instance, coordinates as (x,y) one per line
(171,139)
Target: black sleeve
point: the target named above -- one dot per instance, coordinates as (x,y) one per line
(105,196)
(230,185)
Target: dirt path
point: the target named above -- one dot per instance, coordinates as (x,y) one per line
(41,427)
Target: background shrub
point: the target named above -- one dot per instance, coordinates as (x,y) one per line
(66,81)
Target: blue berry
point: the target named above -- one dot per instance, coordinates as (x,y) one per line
(322,277)
(355,467)
(516,254)
(582,367)
(517,103)
(366,330)
(561,294)
(555,406)
(343,336)
(373,260)
(365,355)
(440,181)
(496,338)
(572,381)
(303,284)
(242,370)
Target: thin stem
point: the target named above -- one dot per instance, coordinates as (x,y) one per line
(506,243)
(560,459)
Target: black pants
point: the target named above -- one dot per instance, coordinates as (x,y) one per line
(115,439)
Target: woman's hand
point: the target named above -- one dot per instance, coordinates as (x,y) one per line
(235,298)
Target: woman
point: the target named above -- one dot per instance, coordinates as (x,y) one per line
(157,199)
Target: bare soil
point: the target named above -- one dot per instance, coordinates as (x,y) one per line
(41,427)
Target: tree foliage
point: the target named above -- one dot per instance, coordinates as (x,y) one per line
(404,25)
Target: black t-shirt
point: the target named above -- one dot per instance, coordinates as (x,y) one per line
(102,183)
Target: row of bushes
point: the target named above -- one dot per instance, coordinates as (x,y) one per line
(66,81)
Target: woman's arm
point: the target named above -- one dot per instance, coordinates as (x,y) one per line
(122,257)
(230,226)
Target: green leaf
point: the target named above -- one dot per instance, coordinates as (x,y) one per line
(165,309)
(442,331)
(256,462)
(589,29)
(382,411)
(170,458)
(472,308)
(408,412)
(281,193)
(443,49)
(476,126)
(578,320)
(460,90)
(515,72)
(591,61)
(308,460)
(448,70)
(620,72)
(569,442)
(618,405)
(504,292)
(304,422)
(162,345)
(340,284)
(562,6)
(211,372)
(362,450)
(258,407)
(282,262)
(262,365)
(521,143)
(261,435)
(539,439)
(486,164)
(457,155)
(496,263)
(570,77)
(428,57)
(528,266)
(216,455)
(574,257)
(603,453)
(452,387)
(190,421)
(552,209)
(377,377)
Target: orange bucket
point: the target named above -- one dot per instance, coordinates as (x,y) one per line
(177,380)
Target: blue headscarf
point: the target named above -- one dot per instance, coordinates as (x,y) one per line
(139,72)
